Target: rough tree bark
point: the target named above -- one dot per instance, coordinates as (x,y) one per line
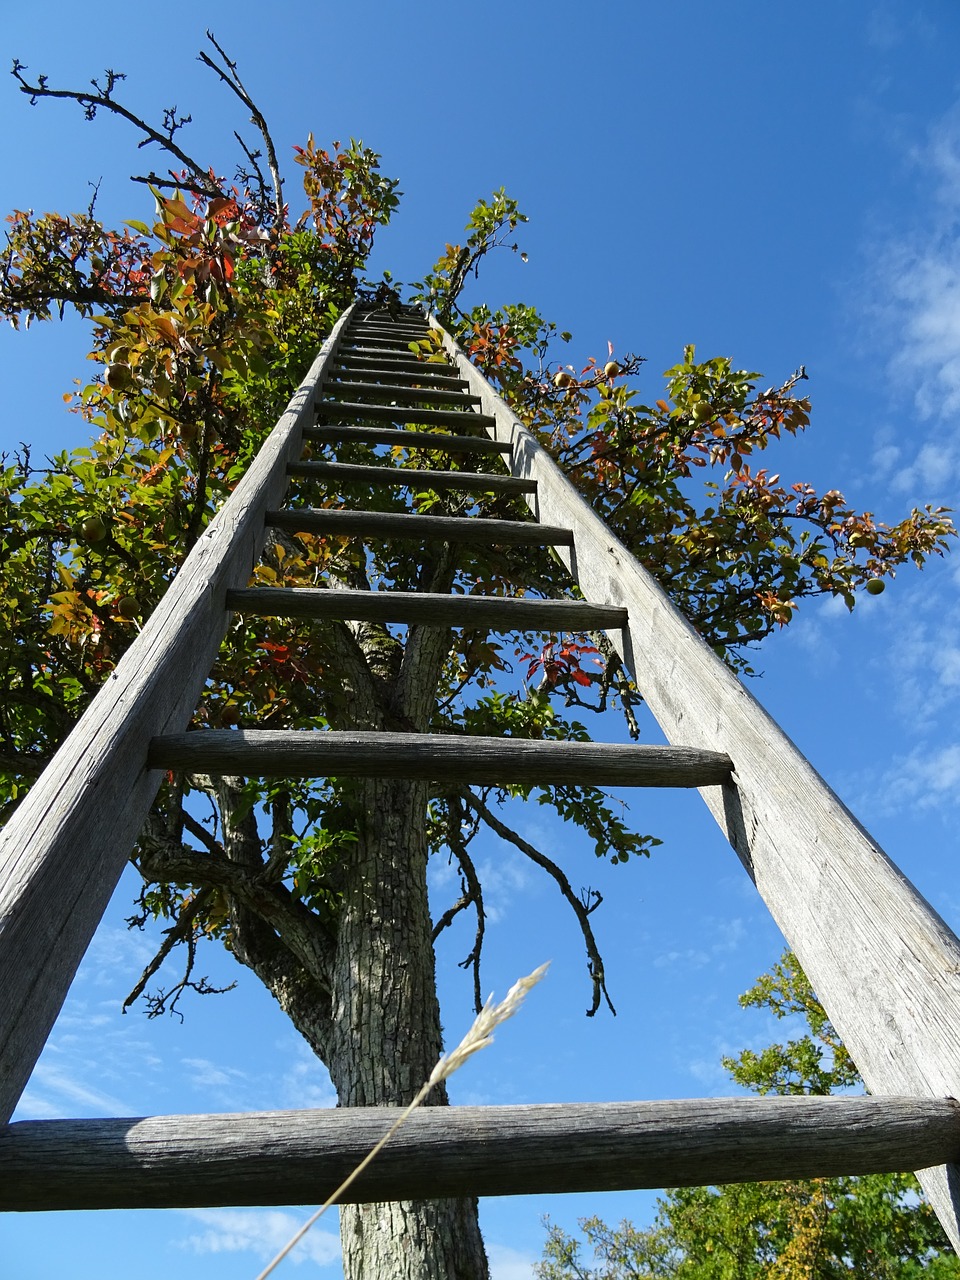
(361,988)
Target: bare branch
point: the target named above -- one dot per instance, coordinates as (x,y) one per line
(181,930)
(473,894)
(102,97)
(232,80)
(579,908)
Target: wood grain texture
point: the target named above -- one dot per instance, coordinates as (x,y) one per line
(388,524)
(435,757)
(439,442)
(884,964)
(424,607)
(340,473)
(62,852)
(300,1157)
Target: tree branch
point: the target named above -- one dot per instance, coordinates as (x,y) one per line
(233,82)
(182,930)
(92,102)
(581,910)
(473,894)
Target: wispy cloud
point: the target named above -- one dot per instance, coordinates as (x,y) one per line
(926,779)
(913,289)
(727,935)
(56,1091)
(306,1082)
(509,1264)
(261,1232)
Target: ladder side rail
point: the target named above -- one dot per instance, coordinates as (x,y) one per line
(883,962)
(300,1157)
(63,850)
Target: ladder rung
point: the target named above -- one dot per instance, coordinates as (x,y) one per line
(338,410)
(468,481)
(374,347)
(411,331)
(410,394)
(398,345)
(390,360)
(438,442)
(390,524)
(298,1157)
(420,377)
(506,613)
(435,757)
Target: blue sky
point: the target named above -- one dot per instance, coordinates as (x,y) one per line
(776,185)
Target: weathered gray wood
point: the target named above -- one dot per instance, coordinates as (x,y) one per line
(885,965)
(410,329)
(406,332)
(342,410)
(346,376)
(505,612)
(401,395)
(62,852)
(384,341)
(297,1157)
(388,524)
(340,473)
(388,355)
(440,443)
(398,364)
(303,753)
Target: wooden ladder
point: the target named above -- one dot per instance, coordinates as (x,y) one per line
(886,968)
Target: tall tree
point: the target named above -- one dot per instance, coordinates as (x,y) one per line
(876,1226)
(204,319)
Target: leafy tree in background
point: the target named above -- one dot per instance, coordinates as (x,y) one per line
(877,1227)
(204,319)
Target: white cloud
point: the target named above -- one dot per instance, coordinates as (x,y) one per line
(509,1264)
(262,1232)
(306,1082)
(915,295)
(926,779)
(203,1072)
(53,1091)
(888,26)
(727,937)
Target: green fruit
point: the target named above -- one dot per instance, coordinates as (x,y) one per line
(703,412)
(611,369)
(128,607)
(562,379)
(876,586)
(118,377)
(93,529)
(230,716)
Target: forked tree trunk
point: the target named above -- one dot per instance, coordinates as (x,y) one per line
(385,1038)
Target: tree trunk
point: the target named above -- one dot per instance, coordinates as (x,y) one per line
(360,987)
(385,1037)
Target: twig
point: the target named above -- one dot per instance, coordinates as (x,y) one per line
(233,81)
(580,910)
(91,102)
